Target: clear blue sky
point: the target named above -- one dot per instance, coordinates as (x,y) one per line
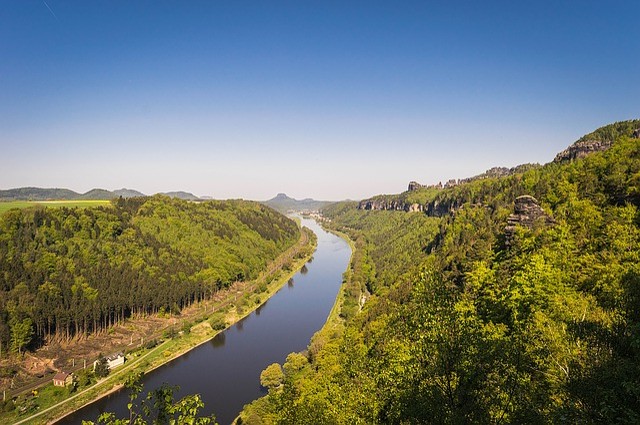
(329,100)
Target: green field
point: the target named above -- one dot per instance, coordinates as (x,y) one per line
(8,205)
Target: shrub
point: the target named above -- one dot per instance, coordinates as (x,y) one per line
(101,368)
(151,344)
(218,322)
(7,406)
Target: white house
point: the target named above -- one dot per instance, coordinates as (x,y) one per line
(115,360)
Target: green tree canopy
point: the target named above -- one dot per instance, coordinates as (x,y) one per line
(272,376)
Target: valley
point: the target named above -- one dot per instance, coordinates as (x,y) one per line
(62,351)
(331,213)
(506,296)
(506,299)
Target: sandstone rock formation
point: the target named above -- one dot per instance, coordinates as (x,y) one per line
(451,183)
(441,208)
(415,208)
(526,212)
(498,172)
(413,185)
(389,205)
(580,149)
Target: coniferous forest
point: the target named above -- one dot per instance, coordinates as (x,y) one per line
(482,310)
(72,271)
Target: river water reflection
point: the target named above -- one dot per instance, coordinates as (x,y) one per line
(226,370)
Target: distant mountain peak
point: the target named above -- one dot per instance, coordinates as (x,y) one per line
(128,193)
(187,196)
(283,203)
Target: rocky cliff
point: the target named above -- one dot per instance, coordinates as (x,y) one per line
(413,186)
(441,208)
(389,205)
(580,149)
(498,172)
(442,204)
(599,140)
(526,212)
(435,207)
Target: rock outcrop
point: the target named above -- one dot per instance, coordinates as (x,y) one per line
(526,212)
(443,207)
(580,149)
(413,185)
(415,208)
(389,205)
(451,183)
(499,172)
(599,140)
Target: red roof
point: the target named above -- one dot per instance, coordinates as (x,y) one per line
(60,376)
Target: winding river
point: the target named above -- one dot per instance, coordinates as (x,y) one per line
(226,371)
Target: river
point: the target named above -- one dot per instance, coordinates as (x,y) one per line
(226,370)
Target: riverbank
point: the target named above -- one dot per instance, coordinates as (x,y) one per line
(214,319)
(333,319)
(332,327)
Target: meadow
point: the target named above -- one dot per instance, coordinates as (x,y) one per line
(8,205)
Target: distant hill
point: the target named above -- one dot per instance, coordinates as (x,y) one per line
(128,193)
(283,203)
(38,194)
(47,194)
(181,195)
(96,194)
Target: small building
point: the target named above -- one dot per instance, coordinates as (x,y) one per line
(62,379)
(115,360)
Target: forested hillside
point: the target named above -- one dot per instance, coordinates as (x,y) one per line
(71,271)
(484,312)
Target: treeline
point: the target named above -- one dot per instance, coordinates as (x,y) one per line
(71,271)
(463,327)
(612,132)
(610,176)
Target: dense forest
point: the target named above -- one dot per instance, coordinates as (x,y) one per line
(71,271)
(458,315)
